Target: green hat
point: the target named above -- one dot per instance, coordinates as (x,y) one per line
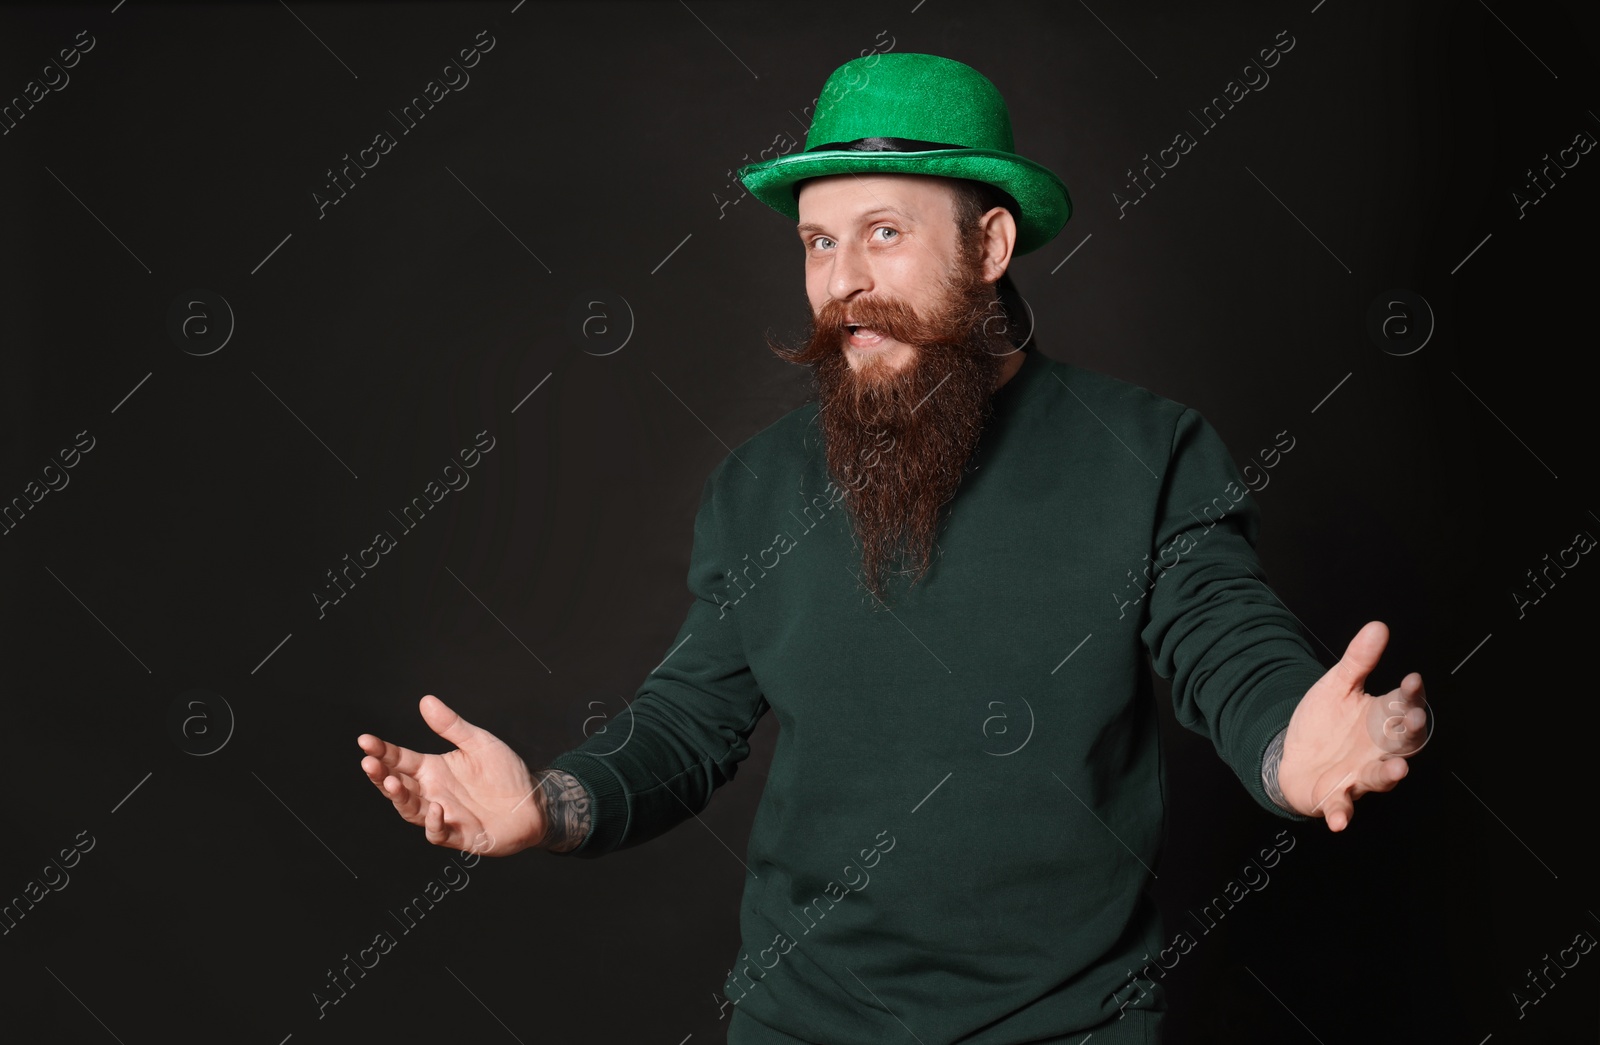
(897,113)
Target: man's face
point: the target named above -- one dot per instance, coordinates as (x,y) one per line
(873,239)
(905,348)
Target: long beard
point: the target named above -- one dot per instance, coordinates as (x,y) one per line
(898,442)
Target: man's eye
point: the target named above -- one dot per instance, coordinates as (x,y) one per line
(886,228)
(820,239)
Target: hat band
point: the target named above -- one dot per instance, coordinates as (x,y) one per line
(885,145)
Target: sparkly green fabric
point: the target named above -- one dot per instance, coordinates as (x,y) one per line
(926,98)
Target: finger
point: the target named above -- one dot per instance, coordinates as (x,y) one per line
(378,773)
(1362,654)
(1383,775)
(1419,730)
(1410,692)
(1336,806)
(1419,695)
(1329,796)
(406,794)
(375,770)
(438,831)
(1398,722)
(373,766)
(398,759)
(445,722)
(1410,702)
(401,789)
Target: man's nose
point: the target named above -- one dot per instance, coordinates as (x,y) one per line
(851,274)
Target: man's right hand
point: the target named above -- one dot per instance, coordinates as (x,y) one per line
(479,796)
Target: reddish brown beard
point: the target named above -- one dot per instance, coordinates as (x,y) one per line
(898,442)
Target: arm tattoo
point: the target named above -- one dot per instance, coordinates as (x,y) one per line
(565,805)
(1269,771)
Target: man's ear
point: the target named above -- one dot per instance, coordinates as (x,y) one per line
(998,241)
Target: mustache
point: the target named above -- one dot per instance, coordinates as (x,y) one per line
(962,316)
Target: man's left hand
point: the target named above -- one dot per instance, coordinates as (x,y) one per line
(1343,742)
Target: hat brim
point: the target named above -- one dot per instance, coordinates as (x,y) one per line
(1045,204)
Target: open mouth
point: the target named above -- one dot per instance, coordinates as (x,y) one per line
(862,337)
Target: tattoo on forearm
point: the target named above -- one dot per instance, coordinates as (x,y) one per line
(1269,771)
(565,805)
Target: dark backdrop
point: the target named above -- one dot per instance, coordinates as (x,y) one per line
(222,869)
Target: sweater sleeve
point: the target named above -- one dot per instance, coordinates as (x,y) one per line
(688,725)
(1237,658)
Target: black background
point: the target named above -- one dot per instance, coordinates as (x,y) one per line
(591,153)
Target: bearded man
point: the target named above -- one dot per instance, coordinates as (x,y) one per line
(923,551)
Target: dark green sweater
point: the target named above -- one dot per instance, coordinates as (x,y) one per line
(965,801)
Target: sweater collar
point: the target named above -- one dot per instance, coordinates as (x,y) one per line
(1020,388)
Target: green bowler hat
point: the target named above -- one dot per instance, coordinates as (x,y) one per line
(898,113)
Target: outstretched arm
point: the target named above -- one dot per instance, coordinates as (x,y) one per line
(688,726)
(686,731)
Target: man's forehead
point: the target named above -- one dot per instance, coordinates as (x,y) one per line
(857,197)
